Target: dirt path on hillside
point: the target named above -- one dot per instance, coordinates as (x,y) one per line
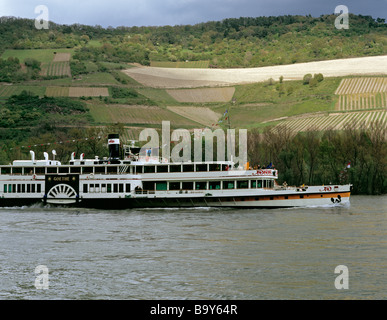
(191,78)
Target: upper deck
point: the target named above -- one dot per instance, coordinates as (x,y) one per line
(98,167)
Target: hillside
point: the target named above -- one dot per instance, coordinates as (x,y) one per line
(300,86)
(104,68)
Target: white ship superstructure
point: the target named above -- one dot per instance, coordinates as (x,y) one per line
(136,182)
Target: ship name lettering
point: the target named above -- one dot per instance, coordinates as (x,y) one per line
(61,179)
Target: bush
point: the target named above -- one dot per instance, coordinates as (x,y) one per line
(77,68)
(123,93)
(32,63)
(319,77)
(307,78)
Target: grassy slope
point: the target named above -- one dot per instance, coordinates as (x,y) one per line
(260,102)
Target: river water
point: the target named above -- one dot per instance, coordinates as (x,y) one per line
(200,253)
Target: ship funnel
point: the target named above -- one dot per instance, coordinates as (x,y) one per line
(114,146)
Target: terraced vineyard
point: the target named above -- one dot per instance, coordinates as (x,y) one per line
(204,116)
(88,92)
(57,91)
(203,95)
(334,121)
(61,68)
(362,85)
(362,93)
(137,115)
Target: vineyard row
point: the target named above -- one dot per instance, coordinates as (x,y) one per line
(361,101)
(362,85)
(334,121)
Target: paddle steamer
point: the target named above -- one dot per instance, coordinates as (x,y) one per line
(132,181)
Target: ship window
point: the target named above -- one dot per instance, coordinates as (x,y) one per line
(121,188)
(175,168)
(111,170)
(87,170)
(39,171)
(148,185)
(259,184)
(286,197)
(18,188)
(92,187)
(23,188)
(214,185)
(63,169)
(16,170)
(253,184)
(29,171)
(33,188)
(225,167)
(200,185)
(5,188)
(187,185)
(162,168)
(301,196)
(38,188)
(214,167)
(85,188)
(188,168)
(174,186)
(5,170)
(139,169)
(108,188)
(228,184)
(264,183)
(201,167)
(242,184)
(75,170)
(100,170)
(14,188)
(149,169)
(127,187)
(115,188)
(161,186)
(52,170)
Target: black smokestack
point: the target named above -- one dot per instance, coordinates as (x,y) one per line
(114,146)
